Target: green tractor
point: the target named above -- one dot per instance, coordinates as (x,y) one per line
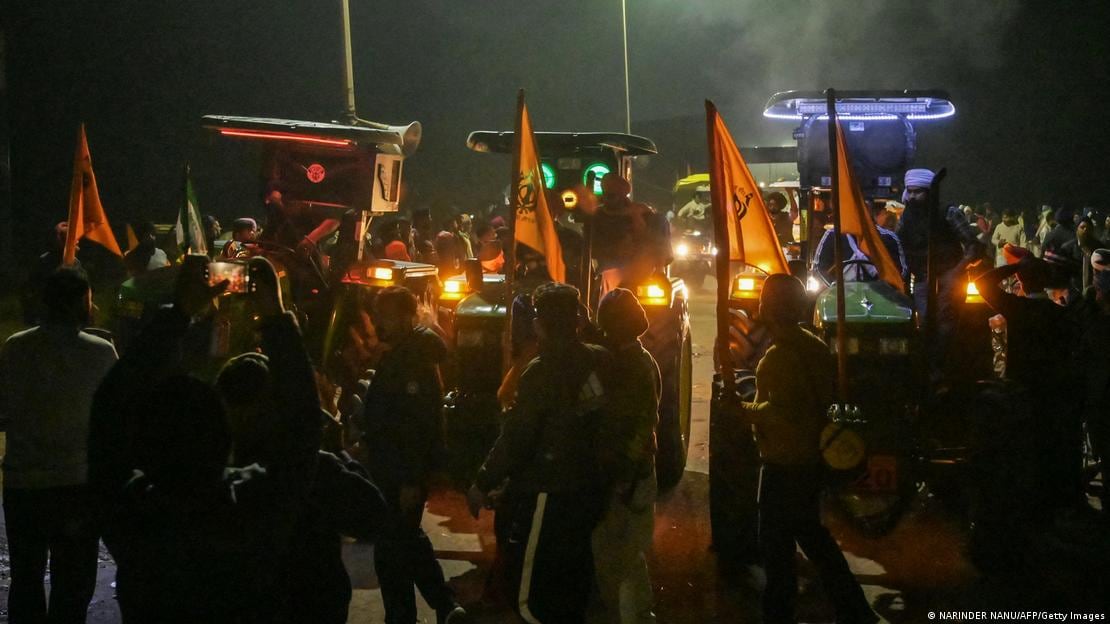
(896,435)
(479,303)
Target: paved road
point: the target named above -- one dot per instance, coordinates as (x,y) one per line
(918,567)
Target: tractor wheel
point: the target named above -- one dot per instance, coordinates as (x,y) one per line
(669,342)
(686,390)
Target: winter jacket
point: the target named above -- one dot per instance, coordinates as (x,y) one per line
(547,442)
(404,411)
(794,387)
(626,433)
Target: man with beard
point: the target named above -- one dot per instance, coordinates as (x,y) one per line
(955,243)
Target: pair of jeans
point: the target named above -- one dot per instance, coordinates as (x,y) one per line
(789,514)
(404,557)
(56,525)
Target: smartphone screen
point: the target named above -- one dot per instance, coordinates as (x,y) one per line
(235,273)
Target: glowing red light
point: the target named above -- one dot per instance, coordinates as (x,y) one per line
(286,136)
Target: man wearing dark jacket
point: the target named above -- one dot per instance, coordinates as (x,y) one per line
(788,415)
(626,456)
(196,541)
(548,455)
(1062,233)
(404,441)
(342,501)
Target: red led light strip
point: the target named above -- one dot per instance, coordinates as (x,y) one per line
(285,136)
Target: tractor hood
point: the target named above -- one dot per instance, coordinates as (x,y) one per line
(865,302)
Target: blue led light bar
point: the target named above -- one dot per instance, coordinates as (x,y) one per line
(862,105)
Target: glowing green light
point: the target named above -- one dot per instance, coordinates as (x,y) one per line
(548,175)
(599,170)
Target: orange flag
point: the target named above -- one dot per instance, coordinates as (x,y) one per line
(737,200)
(855,218)
(86,215)
(533,224)
(132,240)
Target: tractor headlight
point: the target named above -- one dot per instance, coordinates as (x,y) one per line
(653,294)
(747,286)
(681,250)
(972,295)
(383,274)
(454,289)
(813,284)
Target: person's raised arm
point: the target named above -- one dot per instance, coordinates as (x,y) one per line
(989,285)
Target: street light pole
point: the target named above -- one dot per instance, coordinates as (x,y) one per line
(627,101)
(349,74)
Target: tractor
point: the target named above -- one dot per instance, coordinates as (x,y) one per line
(895,434)
(479,303)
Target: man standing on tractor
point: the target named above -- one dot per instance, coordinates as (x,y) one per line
(953,245)
(954,234)
(630,240)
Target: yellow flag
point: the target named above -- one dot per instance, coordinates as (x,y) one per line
(738,202)
(86,214)
(855,218)
(533,224)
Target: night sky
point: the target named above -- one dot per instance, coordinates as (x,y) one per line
(1029,80)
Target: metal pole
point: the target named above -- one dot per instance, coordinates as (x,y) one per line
(349,71)
(627,100)
(838,255)
(722,262)
(510,253)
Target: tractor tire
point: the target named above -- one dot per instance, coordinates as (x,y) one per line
(669,342)
(673,434)
(733,480)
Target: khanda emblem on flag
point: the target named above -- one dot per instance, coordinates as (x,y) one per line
(526,193)
(740,207)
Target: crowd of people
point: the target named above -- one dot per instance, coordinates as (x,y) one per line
(225,502)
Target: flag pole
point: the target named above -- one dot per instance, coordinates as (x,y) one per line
(510,253)
(724,254)
(838,255)
(69,250)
